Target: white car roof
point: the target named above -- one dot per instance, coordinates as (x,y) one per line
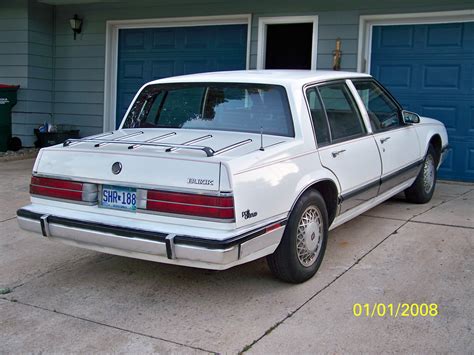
(277,77)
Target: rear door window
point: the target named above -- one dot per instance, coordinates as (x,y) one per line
(345,121)
(320,123)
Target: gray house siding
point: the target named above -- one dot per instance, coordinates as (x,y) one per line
(14,43)
(14,53)
(26,59)
(63,78)
(40,72)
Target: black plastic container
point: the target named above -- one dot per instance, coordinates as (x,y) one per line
(47,139)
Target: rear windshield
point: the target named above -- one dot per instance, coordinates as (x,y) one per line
(213,106)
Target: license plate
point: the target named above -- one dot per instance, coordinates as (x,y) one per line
(117,197)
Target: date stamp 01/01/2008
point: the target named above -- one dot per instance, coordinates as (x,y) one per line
(395,310)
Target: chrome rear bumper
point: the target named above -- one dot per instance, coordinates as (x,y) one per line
(149,245)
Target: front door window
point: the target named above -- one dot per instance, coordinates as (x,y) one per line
(383,112)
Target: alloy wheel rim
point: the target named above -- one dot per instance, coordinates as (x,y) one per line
(309,236)
(428,173)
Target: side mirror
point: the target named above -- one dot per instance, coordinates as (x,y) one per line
(410,117)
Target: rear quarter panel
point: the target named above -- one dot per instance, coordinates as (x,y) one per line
(270,191)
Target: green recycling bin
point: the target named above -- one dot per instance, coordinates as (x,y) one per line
(7,101)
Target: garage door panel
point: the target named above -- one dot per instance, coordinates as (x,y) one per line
(395,76)
(395,38)
(133,69)
(471,122)
(200,38)
(470,158)
(459,164)
(429,69)
(448,114)
(196,66)
(231,37)
(445,35)
(133,40)
(164,39)
(162,68)
(441,76)
(228,64)
(155,53)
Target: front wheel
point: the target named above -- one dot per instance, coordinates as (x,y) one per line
(423,188)
(302,247)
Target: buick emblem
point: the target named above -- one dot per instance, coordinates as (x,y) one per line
(116,168)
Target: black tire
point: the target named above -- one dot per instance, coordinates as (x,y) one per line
(285,262)
(423,188)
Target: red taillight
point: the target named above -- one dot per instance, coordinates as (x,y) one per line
(220,207)
(63,189)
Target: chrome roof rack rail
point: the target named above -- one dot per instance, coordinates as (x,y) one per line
(81,140)
(154,139)
(134,134)
(232,146)
(195,140)
(208,150)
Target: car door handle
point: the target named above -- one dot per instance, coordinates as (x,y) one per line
(335,154)
(383,140)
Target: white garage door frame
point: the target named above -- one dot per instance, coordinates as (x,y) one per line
(111,49)
(367,22)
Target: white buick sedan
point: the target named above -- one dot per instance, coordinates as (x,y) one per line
(214,170)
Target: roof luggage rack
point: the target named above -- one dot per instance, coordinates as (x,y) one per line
(154,139)
(195,140)
(77,141)
(134,134)
(208,150)
(152,143)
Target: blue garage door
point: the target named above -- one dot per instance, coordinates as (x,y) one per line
(429,69)
(155,53)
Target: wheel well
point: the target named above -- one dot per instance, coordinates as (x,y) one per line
(435,141)
(328,190)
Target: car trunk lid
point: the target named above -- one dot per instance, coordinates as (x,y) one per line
(152,158)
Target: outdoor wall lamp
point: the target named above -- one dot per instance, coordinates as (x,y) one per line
(76,25)
(336,56)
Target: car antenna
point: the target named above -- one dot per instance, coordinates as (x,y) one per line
(261,139)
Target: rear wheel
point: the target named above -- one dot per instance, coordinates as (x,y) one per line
(423,188)
(302,247)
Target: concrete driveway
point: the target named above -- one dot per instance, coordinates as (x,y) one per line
(62,299)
